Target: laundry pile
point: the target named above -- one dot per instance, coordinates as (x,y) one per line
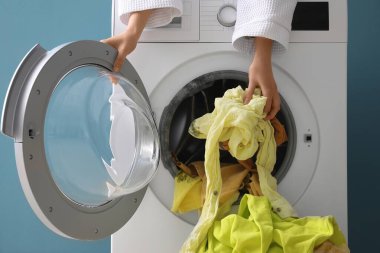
(190,184)
(265,221)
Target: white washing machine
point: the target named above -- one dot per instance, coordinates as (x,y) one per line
(86,148)
(179,62)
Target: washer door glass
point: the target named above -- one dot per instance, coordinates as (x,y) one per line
(100,138)
(86,144)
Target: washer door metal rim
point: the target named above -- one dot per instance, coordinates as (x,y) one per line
(23,119)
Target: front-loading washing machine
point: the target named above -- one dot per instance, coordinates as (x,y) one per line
(188,63)
(86,147)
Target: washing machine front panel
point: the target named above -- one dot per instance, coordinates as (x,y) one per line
(305,157)
(315,81)
(85,139)
(310,75)
(306,80)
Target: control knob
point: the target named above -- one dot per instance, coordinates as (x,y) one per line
(227,15)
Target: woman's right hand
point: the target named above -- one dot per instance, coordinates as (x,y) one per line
(126,41)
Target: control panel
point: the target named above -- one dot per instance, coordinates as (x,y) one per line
(214,21)
(217,20)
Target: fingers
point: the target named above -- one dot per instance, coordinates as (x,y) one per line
(274,107)
(268,104)
(114,79)
(248,95)
(108,41)
(118,62)
(113,42)
(249,91)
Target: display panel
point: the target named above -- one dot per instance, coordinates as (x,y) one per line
(311,16)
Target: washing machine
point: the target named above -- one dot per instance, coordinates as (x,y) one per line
(188,63)
(97,151)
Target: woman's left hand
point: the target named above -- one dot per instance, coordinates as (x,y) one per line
(261,75)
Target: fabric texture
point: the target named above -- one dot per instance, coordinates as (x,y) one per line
(234,177)
(257,229)
(263,18)
(163,13)
(246,131)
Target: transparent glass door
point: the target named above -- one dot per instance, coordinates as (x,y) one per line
(100,138)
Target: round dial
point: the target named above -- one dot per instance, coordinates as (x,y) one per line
(227,15)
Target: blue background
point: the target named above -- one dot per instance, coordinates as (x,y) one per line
(24,23)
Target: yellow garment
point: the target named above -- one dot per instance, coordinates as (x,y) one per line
(246,130)
(189,192)
(186,197)
(257,229)
(232,178)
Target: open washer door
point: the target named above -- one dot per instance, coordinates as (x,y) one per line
(86,147)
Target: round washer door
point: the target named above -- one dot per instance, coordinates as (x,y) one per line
(86,143)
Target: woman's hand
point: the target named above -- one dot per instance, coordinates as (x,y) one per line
(261,75)
(126,41)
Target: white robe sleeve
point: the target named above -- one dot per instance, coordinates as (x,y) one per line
(263,18)
(163,13)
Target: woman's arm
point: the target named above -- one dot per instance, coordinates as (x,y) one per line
(263,27)
(261,75)
(138,14)
(126,41)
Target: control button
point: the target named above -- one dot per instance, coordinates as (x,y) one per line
(227,15)
(307,138)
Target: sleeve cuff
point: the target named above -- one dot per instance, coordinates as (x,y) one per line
(243,37)
(163,13)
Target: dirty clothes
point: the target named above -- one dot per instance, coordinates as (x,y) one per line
(247,132)
(280,135)
(253,183)
(329,247)
(257,229)
(232,178)
(189,192)
(253,186)
(279,132)
(186,189)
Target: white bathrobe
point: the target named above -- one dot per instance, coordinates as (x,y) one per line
(255,18)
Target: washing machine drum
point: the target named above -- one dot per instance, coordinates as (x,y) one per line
(86,143)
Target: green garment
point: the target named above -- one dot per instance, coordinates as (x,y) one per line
(246,131)
(257,229)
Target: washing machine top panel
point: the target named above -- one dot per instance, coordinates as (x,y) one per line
(85,139)
(214,21)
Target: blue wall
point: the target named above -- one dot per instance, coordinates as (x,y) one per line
(363,124)
(23,23)
(51,22)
